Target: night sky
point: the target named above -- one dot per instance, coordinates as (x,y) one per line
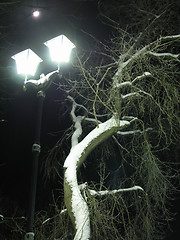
(18,108)
(17,128)
(70,18)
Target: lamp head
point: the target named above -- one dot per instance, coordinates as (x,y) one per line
(27,62)
(60,48)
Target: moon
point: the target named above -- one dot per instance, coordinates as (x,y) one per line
(36,13)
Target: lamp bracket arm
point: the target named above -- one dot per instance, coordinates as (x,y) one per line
(43,82)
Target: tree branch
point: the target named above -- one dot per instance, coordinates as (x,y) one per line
(76,205)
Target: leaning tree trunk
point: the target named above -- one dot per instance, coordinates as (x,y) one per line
(75,203)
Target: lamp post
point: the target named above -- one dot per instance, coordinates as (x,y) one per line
(27,62)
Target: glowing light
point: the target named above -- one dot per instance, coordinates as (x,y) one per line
(27,62)
(36,13)
(60,48)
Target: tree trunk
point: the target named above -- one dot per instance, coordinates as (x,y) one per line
(75,203)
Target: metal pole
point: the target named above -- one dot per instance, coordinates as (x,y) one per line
(36,148)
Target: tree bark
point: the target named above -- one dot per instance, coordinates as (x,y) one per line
(75,203)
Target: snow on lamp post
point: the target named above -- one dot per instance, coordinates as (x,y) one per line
(27,62)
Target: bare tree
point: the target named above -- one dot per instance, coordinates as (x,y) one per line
(125,97)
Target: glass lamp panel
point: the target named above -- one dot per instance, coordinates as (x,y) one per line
(60,48)
(27,62)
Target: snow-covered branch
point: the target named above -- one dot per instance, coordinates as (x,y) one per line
(133,56)
(144,75)
(77,124)
(130,83)
(129,118)
(165,55)
(123,84)
(135,94)
(75,203)
(128,95)
(139,38)
(169,37)
(133,132)
(92,120)
(49,219)
(78,131)
(123,65)
(85,109)
(105,129)
(106,192)
(110,192)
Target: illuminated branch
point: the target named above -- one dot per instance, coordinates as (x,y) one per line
(76,205)
(146,49)
(77,124)
(165,55)
(108,192)
(133,132)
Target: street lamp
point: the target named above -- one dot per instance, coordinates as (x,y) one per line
(60,48)
(27,62)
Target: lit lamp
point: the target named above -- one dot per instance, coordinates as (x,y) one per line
(60,48)
(27,62)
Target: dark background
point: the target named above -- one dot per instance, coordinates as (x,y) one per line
(18,108)
(18,116)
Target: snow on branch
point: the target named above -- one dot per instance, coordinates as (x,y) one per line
(129,83)
(75,203)
(136,94)
(164,55)
(146,49)
(51,218)
(105,192)
(144,75)
(92,120)
(77,132)
(132,94)
(170,37)
(123,65)
(129,118)
(77,124)
(123,84)
(84,108)
(110,125)
(133,132)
